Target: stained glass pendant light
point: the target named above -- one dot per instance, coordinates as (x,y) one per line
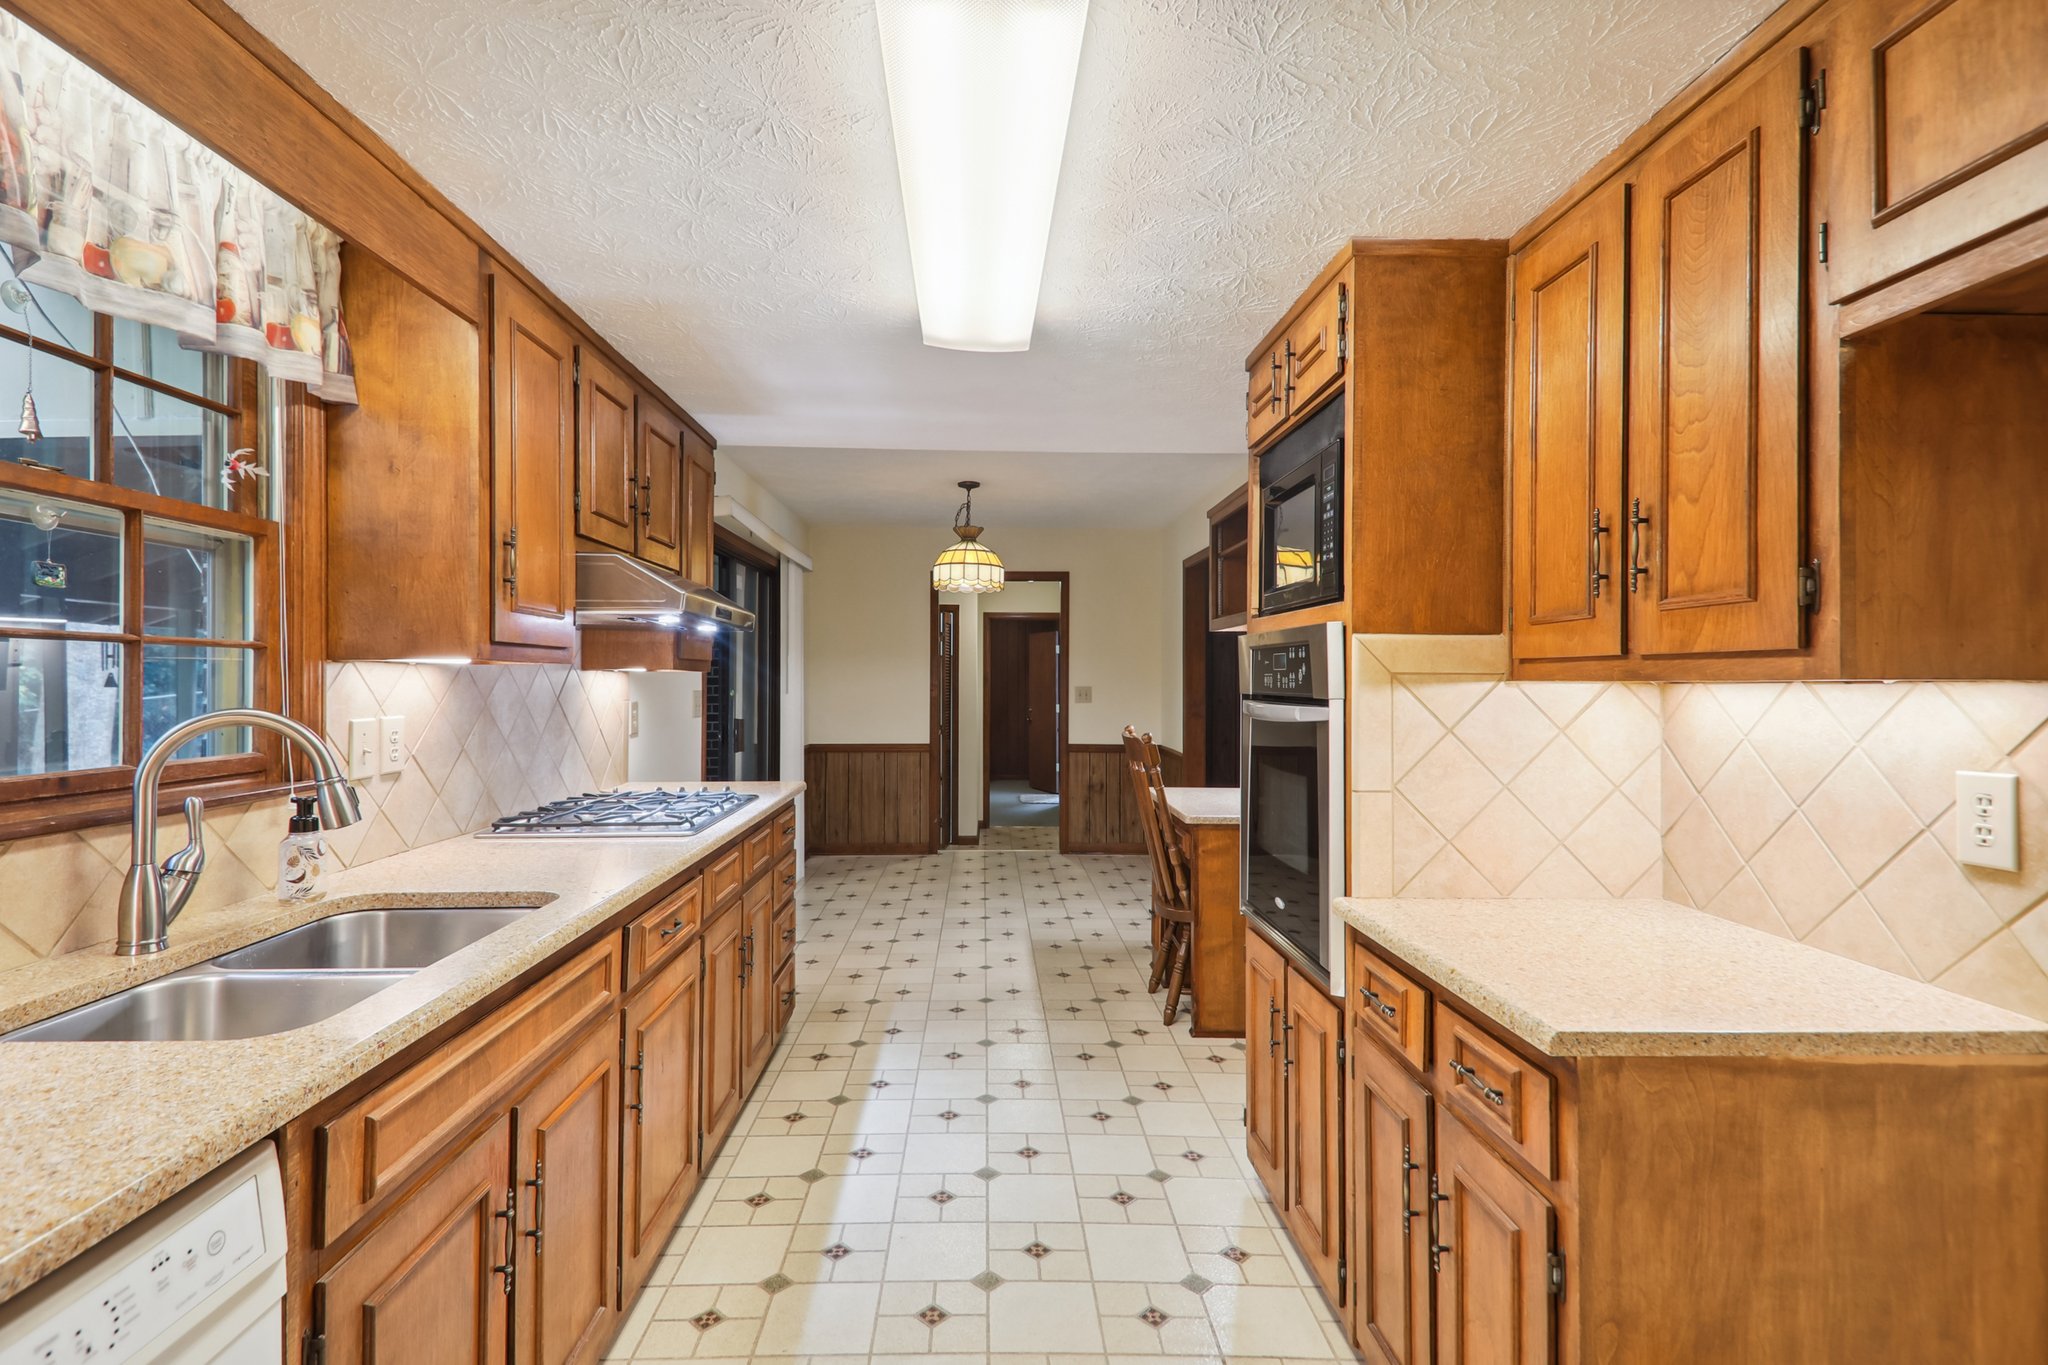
(967,565)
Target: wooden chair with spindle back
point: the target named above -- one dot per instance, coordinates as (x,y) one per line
(1172,903)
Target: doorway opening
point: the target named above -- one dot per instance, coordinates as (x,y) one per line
(743,689)
(1021,657)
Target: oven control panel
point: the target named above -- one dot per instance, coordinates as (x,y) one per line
(1282,671)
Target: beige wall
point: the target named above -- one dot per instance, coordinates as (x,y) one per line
(485,741)
(868,627)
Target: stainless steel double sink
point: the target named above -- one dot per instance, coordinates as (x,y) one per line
(288,981)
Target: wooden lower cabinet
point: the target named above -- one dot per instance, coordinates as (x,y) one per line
(566,1158)
(433,1281)
(724,1001)
(1387,1162)
(1492,1247)
(1265,1115)
(659,1139)
(757,1007)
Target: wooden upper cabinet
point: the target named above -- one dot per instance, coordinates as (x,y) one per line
(1493,1244)
(1570,381)
(1387,1165)
(607,491)
(428,1282)
(1935,132)
(1265,1006)
(1715,450)
(700,482)
(1265,395)
(533,467)
(566,1161)
(1314,351)
(659,449)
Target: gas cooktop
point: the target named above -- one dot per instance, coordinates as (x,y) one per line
(676,814)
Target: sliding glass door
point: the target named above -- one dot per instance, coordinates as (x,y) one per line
(743,691)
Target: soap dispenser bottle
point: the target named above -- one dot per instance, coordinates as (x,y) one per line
(302,857)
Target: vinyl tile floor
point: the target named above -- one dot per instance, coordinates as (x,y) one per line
(977,1142)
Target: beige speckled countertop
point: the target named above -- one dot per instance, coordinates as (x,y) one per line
(1647,978)
(96,1134)
(1203,805)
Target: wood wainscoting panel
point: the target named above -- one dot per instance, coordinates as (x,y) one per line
(868,798)
(1100,812)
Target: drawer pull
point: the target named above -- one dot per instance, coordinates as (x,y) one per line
(1373,999)
(789,997)
(1437,1249)
(1471,1078)
(1408,1165)
(511,1216)
(1272,1033)
(673,929)
(540,1207)
(639,1070)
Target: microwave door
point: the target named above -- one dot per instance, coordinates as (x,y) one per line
(1292,856)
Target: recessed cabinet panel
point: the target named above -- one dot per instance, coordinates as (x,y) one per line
(1570,380)
(1314,349)
(567,1164)
(699,489)
(1388,1160)
(1716,445)
(1265,1003)
(607,497)
(1313,1210)
(1265,397)
(533,469)
(660,447)
(1493,1236)
(659,1137)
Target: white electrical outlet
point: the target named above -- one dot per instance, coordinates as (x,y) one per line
(1084,696)
(390,744)
(362,748)
(633,720)
(1988,820)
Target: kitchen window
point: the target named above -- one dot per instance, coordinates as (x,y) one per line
(138,585)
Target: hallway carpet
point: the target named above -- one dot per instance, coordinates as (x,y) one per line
(1016,804)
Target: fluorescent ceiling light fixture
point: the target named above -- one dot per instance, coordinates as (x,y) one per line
(979,94)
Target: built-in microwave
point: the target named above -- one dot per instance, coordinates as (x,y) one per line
(1291,792)
(1301,514)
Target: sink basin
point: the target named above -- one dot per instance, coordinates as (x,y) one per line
(205,1004)
(373,940)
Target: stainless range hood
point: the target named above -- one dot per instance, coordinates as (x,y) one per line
(618,590)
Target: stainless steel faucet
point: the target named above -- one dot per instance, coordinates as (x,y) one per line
(151,899)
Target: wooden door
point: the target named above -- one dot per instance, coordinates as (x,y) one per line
(566,1150)
(607,493)
(1715,448)
(1265,1035)
(699,487)
(1314,1125)
(723,989)
(1265,396)
(1493,1234)
(659,454)
(1042,709)
(1315,348)
(533,468)
(658,1145)
(432,1281)
(1935,132)
(1569,373)
(758,992)
(946,719)
(1387,1171)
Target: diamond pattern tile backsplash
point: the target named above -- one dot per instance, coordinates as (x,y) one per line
(484,740)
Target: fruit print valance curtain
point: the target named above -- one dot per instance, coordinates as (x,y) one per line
(105,200)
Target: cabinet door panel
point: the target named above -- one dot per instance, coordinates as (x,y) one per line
(661,486)
(1265,397)
(567,1136)
(533,467)
(1493,1303)
(1570,380)
(1315,1120)
(606,495)
(1936,132)
(723,991)
(1716,449)
(427,1282)
(659,1135)
(1387,1157)
(699,487)
(1315,349)
(758,1004)
(1265,1007)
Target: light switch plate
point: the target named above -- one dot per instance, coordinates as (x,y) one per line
(390,744)
(362,748)
(1988,820)
(1084,696)
(633,720)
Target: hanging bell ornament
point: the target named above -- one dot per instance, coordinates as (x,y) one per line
(31,428)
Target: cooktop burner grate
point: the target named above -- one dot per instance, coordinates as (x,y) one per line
(657,812)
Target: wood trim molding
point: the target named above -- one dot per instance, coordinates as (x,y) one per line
(867,798)
(1099,801)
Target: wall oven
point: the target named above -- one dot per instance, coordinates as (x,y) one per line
(1301,514)
(1291,791)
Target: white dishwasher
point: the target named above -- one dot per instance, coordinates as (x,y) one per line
(198,1280)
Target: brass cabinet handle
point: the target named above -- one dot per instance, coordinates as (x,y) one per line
(512,560)
(1408,1164)
(1272,1014)
(1437,1248)
(540,1207)
(1277,391)
(646,501)
(639,1070)
(789,996)
(1637,570)
(673,929)
(1599,575)
(511,1216)
(1471,1078)
(1290,369)
(1372,998)
(1287,1053)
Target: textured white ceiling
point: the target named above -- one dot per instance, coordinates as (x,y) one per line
(711,183)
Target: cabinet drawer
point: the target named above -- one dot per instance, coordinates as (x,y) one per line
(785,996)
(1504,1095)
(660,934)
(760,851)
(785,832)
(785,932)
(1395,1009)
(723,880)
(403,1126)
(785,881)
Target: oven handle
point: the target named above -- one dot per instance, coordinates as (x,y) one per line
(1267,710)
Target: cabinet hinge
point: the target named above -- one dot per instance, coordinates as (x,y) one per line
(1343,318)
(1809,585)
(1813,99)
(1343,1272)
(315,1352)
(1821,243)
(1340,1051)
(1557,1274)
(1244,1115)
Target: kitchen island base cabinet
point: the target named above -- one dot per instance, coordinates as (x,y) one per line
(659,1138)
(1387,1172)
(1491,1239)
(566,1135)
(432,1281)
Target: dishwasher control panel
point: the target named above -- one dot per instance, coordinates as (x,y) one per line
(136,1296)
